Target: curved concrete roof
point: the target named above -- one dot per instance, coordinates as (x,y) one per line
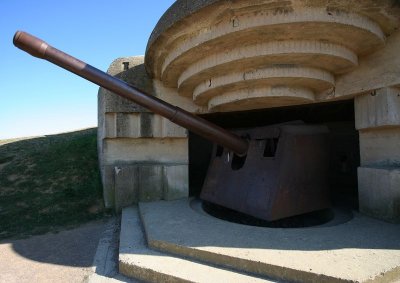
(207,48)
(179,10)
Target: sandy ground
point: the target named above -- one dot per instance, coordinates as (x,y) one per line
(63,257)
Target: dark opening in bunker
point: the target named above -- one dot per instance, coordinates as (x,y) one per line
(270,147)
(344,144)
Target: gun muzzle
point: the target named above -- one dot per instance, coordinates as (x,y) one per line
(33,45)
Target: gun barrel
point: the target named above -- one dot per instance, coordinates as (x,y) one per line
(38,48)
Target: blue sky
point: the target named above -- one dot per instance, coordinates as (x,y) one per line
(38,98)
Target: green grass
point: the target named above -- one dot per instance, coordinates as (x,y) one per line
(49,183)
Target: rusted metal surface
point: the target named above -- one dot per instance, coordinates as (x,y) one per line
(284,173)
(38,48)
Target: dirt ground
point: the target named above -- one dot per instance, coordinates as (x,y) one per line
(63,257)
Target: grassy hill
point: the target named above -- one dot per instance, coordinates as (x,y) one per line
(49,183)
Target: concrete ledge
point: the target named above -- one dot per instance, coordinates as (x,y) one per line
(138,261)
(379,192)
(260,98)
(313,78)
(379,108)
(361,250)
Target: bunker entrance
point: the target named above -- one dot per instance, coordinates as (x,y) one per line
(343,156)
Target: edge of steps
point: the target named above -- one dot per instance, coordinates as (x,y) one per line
(138,261)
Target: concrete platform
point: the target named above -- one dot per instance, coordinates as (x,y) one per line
(139,261)
(360,250)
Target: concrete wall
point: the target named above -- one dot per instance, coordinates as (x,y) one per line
(143,156)
(378,121)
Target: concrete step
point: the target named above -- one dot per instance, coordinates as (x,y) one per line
(354,249)
(137,260)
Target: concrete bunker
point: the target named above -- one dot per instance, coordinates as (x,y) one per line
(326,62)
(256,63)
(241,62)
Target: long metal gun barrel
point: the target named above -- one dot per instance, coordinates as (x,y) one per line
(38,48)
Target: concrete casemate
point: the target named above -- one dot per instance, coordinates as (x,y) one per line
(210,56)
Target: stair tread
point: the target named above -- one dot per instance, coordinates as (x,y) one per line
(336,251)
(141,262)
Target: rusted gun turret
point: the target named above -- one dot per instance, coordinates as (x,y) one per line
(270,173)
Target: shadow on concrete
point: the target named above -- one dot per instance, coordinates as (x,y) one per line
(177,223)
(75,247)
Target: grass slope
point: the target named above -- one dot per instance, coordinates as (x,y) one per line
(48,183)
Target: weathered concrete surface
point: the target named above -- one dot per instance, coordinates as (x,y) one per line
(111,106)
(137,147)
(138,261)
(380,108)
(379,192)
(175,182)
(134,183)
(378,122)
(361,250)
(63,257)
(380,69)
(183,8)
(225,54)
(145,150)
(140,125)
(172,96)
(105,262)
(380,147)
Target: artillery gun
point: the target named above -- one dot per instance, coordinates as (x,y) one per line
(269,172)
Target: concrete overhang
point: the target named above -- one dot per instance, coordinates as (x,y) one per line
(240,55)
